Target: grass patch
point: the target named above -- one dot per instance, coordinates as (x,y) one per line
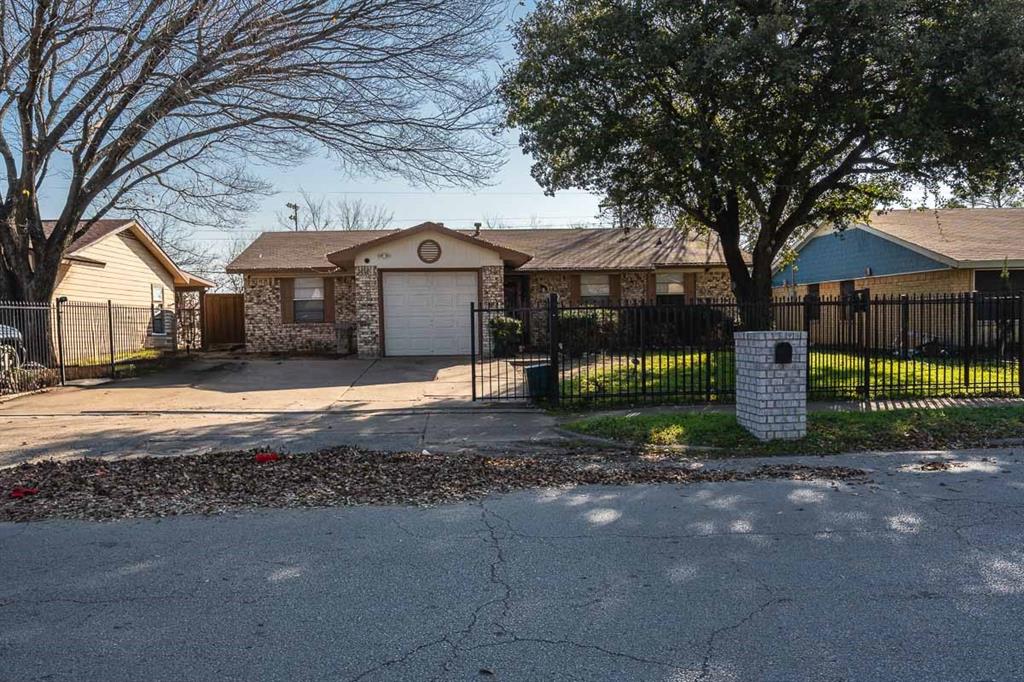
(828,432)
(686,378)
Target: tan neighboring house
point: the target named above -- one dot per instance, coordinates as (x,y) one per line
(911,252)
(118,261)
(408,292)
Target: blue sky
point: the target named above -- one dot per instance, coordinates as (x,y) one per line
(511,198)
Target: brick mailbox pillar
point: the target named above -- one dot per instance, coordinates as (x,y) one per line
(771,384)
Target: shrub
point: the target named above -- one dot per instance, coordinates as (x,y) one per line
(506,335)
(587,331)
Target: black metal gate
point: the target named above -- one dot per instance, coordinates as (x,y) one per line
(860,347)
(608,354)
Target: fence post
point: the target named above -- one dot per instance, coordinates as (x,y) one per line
(904,327)
(968,340)
(60,341)
(710,348)
(867,344)
(1020,342)
(643,352)
(472,347)
(110,330)
(553,385)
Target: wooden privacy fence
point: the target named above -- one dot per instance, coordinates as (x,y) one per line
(223,319)
(859,347)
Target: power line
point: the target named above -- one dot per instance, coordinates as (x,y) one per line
(434,194)
(255,233)
(501,224)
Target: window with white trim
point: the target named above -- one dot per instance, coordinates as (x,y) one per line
(670,287)
(309,299)
(595,289)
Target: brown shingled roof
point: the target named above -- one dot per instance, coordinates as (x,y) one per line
(551,249)
(96,231)
(966,236)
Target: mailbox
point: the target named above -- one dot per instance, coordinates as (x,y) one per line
(783,353)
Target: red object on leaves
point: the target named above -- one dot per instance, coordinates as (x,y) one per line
(262,457)
(20,492)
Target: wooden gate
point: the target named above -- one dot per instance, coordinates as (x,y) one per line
(223,319)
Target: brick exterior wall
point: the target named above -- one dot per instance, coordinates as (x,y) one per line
(771,399)
(492,295)
(367,312)
(933,282)
(492,286)
(265,333)
(634,286)
(715,284)
(543,284)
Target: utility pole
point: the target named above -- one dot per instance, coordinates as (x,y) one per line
(295,214)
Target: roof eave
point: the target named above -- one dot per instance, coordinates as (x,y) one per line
(346,257)
(991,264)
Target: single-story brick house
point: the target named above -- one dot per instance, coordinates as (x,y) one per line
(910,252)
(408,292)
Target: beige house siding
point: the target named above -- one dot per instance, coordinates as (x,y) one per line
(127,276)
(402,253)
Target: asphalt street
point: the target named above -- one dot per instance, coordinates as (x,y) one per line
(915,576)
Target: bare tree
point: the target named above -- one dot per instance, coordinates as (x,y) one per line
(355,214)
(319,214)
(164,106)
(179,242)
(233,284)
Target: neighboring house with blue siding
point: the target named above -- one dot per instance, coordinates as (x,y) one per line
(910,252)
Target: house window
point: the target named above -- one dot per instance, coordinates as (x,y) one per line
(158,326)
(309,299)
(853,301)
(595,290)
(670,287)
(995,301)
(813,302)
(992,281)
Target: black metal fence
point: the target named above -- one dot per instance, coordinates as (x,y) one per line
(46,344)
(860,347)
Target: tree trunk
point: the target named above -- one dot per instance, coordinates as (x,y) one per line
(752,286)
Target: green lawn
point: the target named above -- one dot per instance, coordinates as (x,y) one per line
(828,432)
(141,354)
(687,377)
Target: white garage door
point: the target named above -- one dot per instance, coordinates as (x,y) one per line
(427,313)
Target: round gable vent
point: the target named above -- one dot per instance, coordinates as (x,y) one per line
(429,251)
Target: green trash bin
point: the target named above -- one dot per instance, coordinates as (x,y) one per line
(538,381)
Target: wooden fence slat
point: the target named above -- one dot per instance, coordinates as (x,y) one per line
(224,321)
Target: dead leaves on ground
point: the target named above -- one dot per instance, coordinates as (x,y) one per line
(218,482)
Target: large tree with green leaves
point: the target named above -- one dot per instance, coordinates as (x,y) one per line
(755,119)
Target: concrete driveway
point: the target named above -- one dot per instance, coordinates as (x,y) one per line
(231,402)
(919,576)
